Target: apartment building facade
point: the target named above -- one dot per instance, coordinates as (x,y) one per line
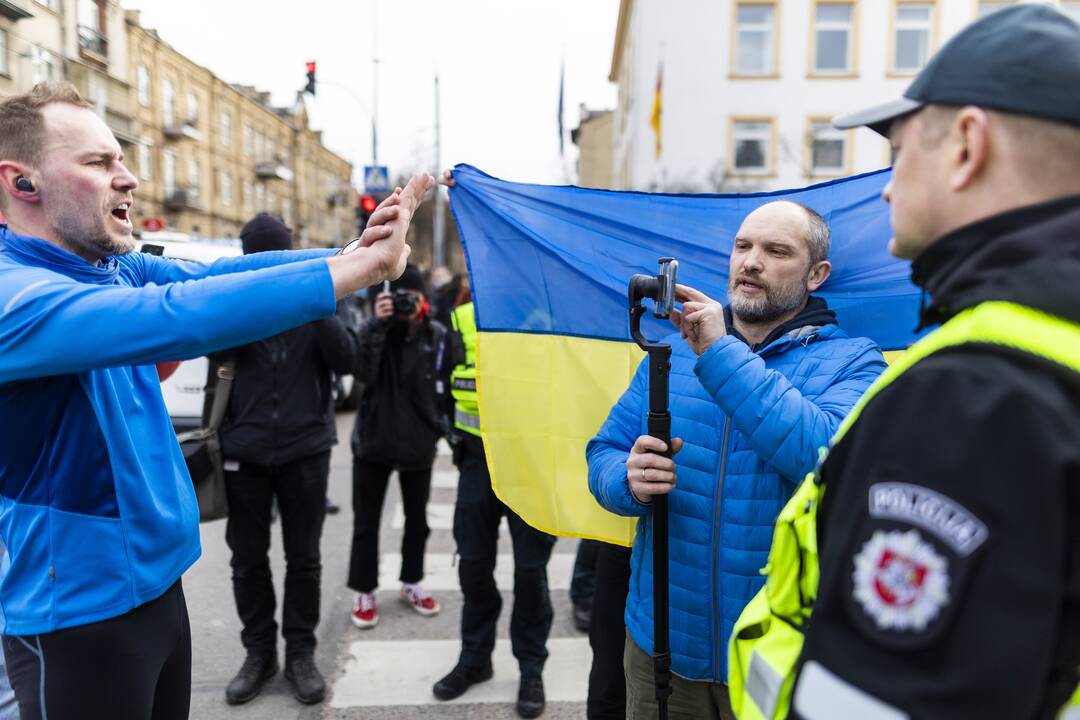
(748,87)
(210,154)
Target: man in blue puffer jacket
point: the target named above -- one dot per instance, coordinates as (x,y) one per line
(757,388)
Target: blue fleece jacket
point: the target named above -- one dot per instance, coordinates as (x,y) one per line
(97,508)
(752,424)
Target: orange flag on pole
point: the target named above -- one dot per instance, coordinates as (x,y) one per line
(657,107)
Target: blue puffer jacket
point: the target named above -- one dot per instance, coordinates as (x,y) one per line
(751,424)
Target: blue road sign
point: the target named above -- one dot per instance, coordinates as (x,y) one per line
(376,178)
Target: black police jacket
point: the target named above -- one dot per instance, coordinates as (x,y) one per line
(912,625)
(281,405)
(401,365)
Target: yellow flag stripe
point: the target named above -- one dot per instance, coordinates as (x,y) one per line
(542,397)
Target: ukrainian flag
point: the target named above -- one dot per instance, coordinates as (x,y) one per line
(549,268)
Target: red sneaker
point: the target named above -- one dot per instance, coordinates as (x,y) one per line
(365,615)
(419,600)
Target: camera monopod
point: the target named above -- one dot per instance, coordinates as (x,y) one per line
(661,288)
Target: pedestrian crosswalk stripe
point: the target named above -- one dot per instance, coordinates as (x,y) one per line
(440,516)
(440,571)
(444,479)
(401,672)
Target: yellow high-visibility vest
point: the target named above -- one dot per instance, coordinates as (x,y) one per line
(463,377)
(768,636)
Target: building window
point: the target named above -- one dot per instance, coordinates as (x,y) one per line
(270,150)
(1072,9)
(146,163)
(168,171)
(44,64)
(286,212)
(226,129)
(192,108)
(260,197)
(226,189)
(828,149)
(913,27)
(143,75)
(4,69)
(194,178)
(271,201)
(260,147)
(834,38)
(248,139)
(987,7)
(755,39)
(751,146)
(168,103)
(249,194)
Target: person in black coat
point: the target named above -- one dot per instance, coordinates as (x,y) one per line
(276,440)
(400,363)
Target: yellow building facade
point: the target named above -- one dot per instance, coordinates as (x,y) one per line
(210,155)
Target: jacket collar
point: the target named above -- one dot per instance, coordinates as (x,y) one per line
(43,254)
(815,315)
(1030,255)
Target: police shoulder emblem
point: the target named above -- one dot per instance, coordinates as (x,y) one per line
(900,580)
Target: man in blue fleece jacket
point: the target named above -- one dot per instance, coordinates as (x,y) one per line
(97,510)
(751,404)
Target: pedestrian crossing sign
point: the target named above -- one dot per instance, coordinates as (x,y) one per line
(376,178)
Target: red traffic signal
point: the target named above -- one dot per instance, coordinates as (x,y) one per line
(368,204)
(310,88)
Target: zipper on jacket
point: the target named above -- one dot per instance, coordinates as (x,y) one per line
(716,548)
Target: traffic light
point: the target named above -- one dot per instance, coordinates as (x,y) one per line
(366,206)
(310,88)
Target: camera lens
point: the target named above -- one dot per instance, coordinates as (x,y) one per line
(405,304)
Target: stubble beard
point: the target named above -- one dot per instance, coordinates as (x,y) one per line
(89,236)
(775,304)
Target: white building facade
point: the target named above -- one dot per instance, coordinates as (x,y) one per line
(749,86)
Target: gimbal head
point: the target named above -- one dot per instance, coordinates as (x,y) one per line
(661,289)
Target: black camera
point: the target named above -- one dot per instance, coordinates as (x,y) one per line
(406,303)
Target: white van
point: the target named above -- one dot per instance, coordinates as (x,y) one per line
(184,389)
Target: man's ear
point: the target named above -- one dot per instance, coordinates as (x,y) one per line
(969,146)
(819,273)
(10,172)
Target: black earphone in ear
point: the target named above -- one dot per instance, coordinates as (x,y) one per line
(23,183)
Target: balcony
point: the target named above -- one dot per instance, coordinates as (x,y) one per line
(93,45)
(273,170)
(14,10)
(183,198)
(186,129)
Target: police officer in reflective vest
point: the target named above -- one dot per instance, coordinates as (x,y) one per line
(930,568)
(476,531)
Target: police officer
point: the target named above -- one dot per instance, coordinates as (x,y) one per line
(476,531)
(947,509)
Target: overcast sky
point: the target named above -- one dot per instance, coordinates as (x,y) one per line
(497,60)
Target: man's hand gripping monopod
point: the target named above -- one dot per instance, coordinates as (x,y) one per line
(661,289)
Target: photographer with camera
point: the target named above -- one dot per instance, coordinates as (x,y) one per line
(400,363)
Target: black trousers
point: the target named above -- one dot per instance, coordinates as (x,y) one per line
(583,580)
(369,491)
(476,530)
(133,667)
(607,634)
(300,489)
